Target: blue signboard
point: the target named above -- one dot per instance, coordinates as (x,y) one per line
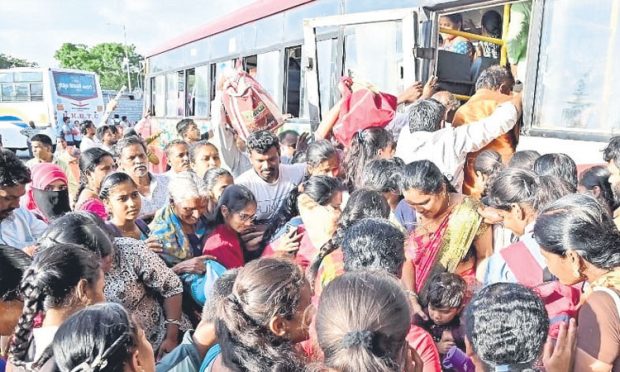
(75,86)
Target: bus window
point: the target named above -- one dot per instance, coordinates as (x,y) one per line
(6,77)
(293,80)
(27,77)
(160,96)
(200,92)
(190,83)
(36,91)
(250,64)
(7,92)
(153,96)
(180,96)
(373,53)
(268,71)
(213,79)
(327,69)
(577,73)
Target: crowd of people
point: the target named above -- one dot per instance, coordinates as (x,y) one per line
(430,244)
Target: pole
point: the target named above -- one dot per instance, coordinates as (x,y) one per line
(127,58)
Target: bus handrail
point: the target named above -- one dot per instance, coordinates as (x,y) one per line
(469,35)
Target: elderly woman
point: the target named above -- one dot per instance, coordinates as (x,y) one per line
(580,243)
(181,224)
(48,195)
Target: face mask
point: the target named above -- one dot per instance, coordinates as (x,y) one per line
(52,204)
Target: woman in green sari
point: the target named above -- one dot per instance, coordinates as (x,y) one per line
(450,234)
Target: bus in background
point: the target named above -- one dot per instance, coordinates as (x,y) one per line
(298,49)
(44,96)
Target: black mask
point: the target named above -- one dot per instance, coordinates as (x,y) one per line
(52,204)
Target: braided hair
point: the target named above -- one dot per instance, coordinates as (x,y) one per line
(264,288)
(50,283)
(363,203)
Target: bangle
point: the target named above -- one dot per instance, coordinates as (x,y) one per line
(172,321)
(412,294)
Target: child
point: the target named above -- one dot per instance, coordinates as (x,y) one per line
(444,302)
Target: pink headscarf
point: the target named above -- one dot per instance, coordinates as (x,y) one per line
(42,175)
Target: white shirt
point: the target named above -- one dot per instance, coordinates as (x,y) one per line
(448,147)
(232,158)
(269,196)
(87,143)
(21,229)
(158,197)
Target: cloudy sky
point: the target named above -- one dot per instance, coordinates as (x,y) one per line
(35,29)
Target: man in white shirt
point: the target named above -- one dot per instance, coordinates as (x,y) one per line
(106,134)
(269,181)
(177,153)
(424,139)
(18,227)
(87,128)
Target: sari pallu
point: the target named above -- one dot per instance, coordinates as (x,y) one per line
(445,248)
(177,246)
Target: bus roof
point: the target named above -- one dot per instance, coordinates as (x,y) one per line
(246,14)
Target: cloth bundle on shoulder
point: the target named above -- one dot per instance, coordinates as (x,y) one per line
(249,107)
(362,107)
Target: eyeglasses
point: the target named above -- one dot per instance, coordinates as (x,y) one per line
(246,217)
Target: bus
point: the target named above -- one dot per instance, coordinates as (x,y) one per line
(44,96)
(298,49)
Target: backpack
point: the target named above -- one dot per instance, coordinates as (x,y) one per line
(561,301)
(365,108)
(249,107)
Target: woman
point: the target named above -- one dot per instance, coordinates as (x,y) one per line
(595,182)
(580,243)
(180,226)
(451,43)
(204,156)
(134,276)
(153,188)
(48,194)
(122,201)
(267,312)
(328,263)
(369,144)
(487,166)
(362,323)
(216,181)
(60,281)
(103,338)
(450,234)
(95,164)
(323,159)
(234,215)
(491,23)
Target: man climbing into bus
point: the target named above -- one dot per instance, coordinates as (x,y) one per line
(611,154)
(188,131)
(494,87)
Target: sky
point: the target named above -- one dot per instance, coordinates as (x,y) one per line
(35,29)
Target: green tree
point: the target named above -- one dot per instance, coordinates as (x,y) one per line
(106,59)
(6,61)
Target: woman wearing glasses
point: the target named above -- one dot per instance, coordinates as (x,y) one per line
(233,216)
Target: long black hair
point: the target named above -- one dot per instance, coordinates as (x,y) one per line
(425,176)
(50,282)
(13,263)
(599,177)
(89,159)
(362,203)
(235,198)
(365,147)
(112,180)
(100,338)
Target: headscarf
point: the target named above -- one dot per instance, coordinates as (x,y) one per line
(47,204)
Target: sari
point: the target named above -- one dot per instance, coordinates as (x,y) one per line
(177,246)
(448,245)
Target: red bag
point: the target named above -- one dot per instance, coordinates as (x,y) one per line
(561,301)
(249,107)
(361,110)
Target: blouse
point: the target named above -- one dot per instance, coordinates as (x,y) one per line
(223,244)
(140,281)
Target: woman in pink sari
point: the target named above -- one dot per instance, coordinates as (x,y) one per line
(450,234)
(95,164)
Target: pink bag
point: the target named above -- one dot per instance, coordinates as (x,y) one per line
(361,110)
(249,107)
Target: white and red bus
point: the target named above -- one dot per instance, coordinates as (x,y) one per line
(299,48)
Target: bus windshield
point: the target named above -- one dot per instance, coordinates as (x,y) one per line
(75,86)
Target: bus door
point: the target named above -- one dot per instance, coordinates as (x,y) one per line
(376,47)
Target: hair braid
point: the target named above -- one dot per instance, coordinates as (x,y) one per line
(33,304)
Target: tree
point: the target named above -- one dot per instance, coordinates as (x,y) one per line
(106,59)
(6,61)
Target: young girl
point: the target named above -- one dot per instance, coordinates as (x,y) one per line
(95,164)
(204,156)
(234,215)
(216,180)
(367,145)
(121,198)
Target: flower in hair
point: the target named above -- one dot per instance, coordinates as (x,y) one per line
(358,338)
